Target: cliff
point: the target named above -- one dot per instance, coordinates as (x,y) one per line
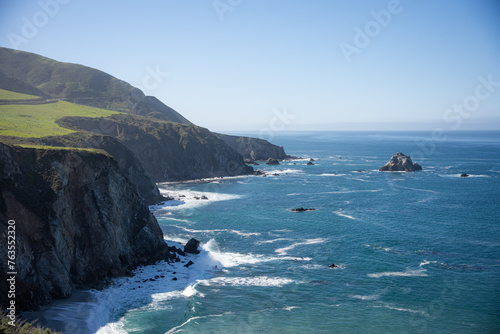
(254,148)
(78,220)
(29,73)
(168,151)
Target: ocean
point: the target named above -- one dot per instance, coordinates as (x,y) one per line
(415,252)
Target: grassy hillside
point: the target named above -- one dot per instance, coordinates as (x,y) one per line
(8,95)
(26,72)
(40,120)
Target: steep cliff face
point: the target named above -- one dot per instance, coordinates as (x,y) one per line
(78,219)
(168,151)
(254,148)
(128,163)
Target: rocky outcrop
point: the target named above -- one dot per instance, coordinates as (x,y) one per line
(400,162)
(254,148)
(192,246)
(78,220)
(272,161)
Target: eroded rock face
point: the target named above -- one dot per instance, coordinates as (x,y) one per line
(78,220)
(400,162)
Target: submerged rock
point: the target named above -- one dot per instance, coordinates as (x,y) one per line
(400,162)
(301,209)
(192,246)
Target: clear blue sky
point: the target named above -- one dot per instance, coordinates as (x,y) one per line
(281,64)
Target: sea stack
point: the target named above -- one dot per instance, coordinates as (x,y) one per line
(400,162)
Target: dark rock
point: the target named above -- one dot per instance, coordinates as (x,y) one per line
(464,175)
(312,160)
(301,209)
(179,251)
(360,171)
(192,246)
(333,265)
(190,263)
(310,163)
(400,162)
(272,161)
(174,279)
(204,197)
(258,172)
(276,174)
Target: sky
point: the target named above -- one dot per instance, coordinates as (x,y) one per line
(284,65)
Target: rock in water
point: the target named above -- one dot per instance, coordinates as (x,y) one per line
(272,161)
(464,175)
(400,162)
(301,209)
(192,246)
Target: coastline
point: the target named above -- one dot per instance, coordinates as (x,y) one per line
(100,311)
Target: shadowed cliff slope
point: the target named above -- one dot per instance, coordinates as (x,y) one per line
(168,151)
(78,220)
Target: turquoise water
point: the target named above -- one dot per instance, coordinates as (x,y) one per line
(415,252)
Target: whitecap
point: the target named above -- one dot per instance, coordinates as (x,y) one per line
(285,171)
(339,213)
(353,191)
(367,297)
(313,266)
(386,249)
(249,281)
(244,234)
(178,329)
(272,241)
(284,250)
(401,309)
(406,273)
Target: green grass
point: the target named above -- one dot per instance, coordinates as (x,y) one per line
(36,121)
(8,95)
(43,147)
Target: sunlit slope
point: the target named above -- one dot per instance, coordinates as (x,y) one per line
(39,120)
